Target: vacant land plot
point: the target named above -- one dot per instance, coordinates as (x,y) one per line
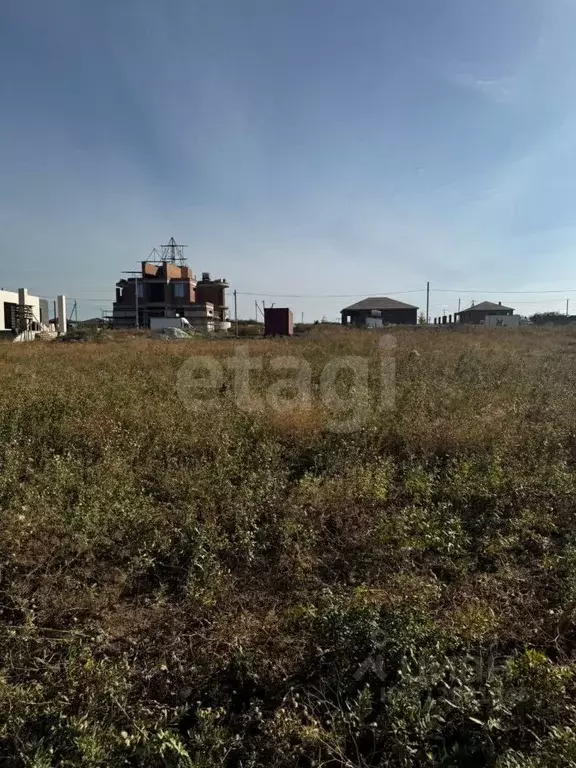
(203,584)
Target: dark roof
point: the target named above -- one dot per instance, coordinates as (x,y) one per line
(378,302)
(93,321)
(486,306)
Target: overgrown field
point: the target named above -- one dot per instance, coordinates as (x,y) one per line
(205,587)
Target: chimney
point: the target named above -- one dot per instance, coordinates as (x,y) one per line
(499,303)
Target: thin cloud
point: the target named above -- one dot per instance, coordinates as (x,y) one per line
(500,90)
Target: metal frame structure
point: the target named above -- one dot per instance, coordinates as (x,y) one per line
(173,253)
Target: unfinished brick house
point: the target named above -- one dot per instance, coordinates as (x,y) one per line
(167,287)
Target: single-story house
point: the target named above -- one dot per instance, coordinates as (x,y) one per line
(477,313)
(376,311)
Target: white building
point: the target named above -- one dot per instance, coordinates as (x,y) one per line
(12,316)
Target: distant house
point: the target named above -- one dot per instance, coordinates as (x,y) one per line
(477,313)
(165,287)
(94,322)
(376,311)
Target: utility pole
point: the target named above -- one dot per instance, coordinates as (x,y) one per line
(458,305)
(137,324)
(302,318)
(236,312)
(260,309)
(567,307)
(74,311)
(427,303)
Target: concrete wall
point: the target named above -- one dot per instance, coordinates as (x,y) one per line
(393,316)
(62,314)
(11,297)
(508,321)
(44,311)
(201,316)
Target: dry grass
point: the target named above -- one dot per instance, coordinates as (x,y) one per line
(199,587)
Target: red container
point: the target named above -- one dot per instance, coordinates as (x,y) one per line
(278,321)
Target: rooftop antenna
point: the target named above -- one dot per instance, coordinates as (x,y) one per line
(173,252)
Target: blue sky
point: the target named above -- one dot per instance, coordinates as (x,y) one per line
(316,147)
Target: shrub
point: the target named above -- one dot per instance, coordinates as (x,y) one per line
(217,587)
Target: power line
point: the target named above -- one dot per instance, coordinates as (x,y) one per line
(505,293)
(551,301)
(365,293)
(433,291)
(539,301)
(324,295)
